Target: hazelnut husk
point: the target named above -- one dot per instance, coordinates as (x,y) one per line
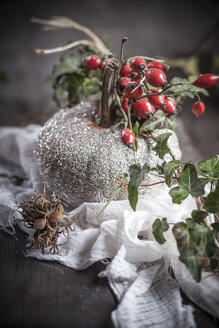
(45,214)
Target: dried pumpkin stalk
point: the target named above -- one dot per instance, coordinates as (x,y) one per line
(45,214)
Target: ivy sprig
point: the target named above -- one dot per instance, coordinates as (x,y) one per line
(197,241)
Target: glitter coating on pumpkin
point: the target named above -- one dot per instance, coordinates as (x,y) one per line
(86,162)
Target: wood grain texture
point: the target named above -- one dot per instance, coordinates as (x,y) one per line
(44,294)
(41,294)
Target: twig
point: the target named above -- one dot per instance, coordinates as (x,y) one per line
(113,196)
(151,184)
(156,175)
(75,44)
(59,22)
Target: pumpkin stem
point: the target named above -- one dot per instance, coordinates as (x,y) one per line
(108,92)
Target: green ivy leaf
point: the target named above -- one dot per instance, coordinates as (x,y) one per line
(181,233)
(199,216)
(212,201)
(68,64)
(178,194)
(133,196)
(89,87)
(159,226)
(75,82)
(187,255)
(169,170)
(158,121)
(199,235)
(137,175)
(192,264)
(161,147)
(210,167)
(189,181)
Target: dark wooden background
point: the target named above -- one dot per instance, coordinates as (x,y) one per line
(44,294)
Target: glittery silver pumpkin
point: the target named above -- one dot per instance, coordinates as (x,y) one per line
(87,162)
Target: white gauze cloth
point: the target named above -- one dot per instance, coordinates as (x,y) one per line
(138,271)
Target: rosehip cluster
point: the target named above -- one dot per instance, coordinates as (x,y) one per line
(136,74)
(133,75)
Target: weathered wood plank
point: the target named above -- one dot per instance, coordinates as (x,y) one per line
(42,294)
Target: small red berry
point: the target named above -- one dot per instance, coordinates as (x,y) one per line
(206,80)
(123,81)
(155,77)
(198,108)
(138,64)
(170,108)
(93,62)
(143,108)
(135,77)
(156,64)
(125,69)
(128,137)
(124,103)
(133,91)
(156,101)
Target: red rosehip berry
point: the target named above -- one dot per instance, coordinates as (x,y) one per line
(128,137)
(138,64)
(143,108)
(135,77)
(157,101)
(170,108)
(156,77)
(124,103)
(156,64)
(93,62)
(206,80)
(125,69)
(123,81)
(133,91)
(198,108)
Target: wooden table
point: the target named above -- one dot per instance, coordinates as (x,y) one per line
(39,294)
